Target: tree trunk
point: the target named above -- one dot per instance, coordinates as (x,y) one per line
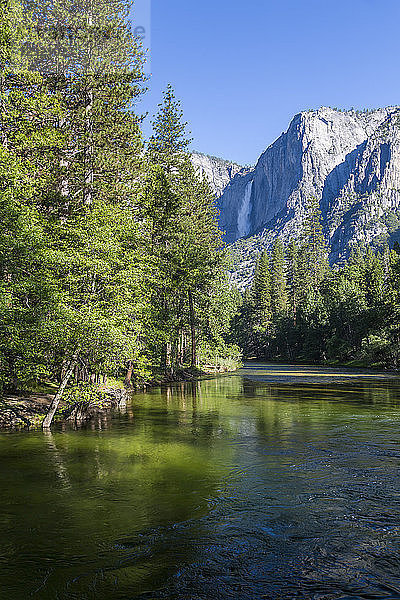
(168,358)
(294,308)
(56,400)
(64,366)
(192,330)
(129,373)
(181,349)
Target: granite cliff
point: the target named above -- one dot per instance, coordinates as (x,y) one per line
(218,171)
(349,160)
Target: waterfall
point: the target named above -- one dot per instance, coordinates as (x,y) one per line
(243,223)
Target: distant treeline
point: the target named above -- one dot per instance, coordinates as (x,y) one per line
(300,308)
(357,111)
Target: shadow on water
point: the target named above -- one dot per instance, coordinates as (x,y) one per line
(235,487)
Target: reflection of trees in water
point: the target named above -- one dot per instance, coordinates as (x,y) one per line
(280,409)
(173,455)
(110,485)
(277,408)
(383,394)
(98,421)
(113,500)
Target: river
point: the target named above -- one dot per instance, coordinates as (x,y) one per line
(275,482)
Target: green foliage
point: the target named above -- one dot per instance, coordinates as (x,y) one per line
(222,357)
(168,142)
(83,392)
(110,255)
(115,384)
(313,252)
(190,299)
(279,297)
(343,314)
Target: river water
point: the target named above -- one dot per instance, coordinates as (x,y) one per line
(276,482)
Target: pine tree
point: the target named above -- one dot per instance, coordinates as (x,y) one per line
(186,240)
(295,289)
(313,255)
(69,126)
(27,124)
(374,278)
(261,291)
(106,256)
(166,154)
(279,297)
(168,145)
(347,312)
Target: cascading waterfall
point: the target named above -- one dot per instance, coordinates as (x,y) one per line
(243,224)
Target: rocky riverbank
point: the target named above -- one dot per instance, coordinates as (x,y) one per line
(26,412)
(18,412)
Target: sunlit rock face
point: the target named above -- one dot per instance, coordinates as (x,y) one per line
(349,161)
(219,172)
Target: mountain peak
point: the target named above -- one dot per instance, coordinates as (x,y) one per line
(218,171)
(349,160)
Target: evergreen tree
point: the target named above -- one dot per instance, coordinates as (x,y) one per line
(186,241)
(109,259)
(168,145)
(279,297)
(261,289)
(313,255)
(374,278)
(168,162)
(80,164)
(353,314)
(294,285)
(261,305)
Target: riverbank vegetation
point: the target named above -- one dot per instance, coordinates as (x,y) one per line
(111,260)
(301,309)
(112,264)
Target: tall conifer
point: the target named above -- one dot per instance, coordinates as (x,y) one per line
(279,295)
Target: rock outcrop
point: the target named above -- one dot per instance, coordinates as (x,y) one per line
(219,172)
(349,161)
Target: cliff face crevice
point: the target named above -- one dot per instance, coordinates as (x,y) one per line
(349,161)
(338,178)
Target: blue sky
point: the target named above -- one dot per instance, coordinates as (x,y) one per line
(243,69)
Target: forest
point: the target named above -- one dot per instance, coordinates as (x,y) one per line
(111,260)
(188,413)
(112,264)
(299,308)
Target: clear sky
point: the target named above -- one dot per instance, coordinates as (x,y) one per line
(243,69)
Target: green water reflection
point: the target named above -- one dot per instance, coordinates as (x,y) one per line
(164,497)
